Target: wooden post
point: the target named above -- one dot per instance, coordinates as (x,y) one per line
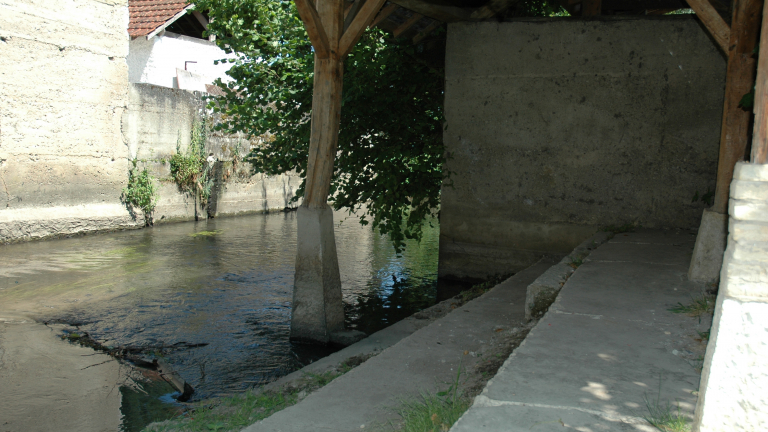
(707,258)
(317,314)
(760,135)
(591,7)
(740,75)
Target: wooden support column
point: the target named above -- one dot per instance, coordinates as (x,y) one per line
(760,134)
(710,244)
(740,76)
(317,314)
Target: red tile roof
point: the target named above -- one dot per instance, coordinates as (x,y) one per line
(148,15)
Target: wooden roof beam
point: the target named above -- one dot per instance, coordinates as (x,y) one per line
(352,12)
(424,33)
(712,20)
(438,12)
(314,26)
(402,28)
(385,12)
(358,25)
(492,8)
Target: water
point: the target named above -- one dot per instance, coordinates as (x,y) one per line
(225,283)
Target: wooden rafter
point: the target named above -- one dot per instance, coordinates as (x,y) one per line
(402,28)
(712,20)
(492,8)
(424,33)
(358,25)
(385,12)
(352,12)
(201,19)
(314,26)
(434,11)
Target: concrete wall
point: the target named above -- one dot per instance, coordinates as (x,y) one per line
(734,378)
(63,89)
(155,61)
(70,124)
(555,128)
(158,119)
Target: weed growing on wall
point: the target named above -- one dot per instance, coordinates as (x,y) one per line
(191,170)
(141,192)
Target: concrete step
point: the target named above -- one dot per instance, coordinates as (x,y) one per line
(424,361)
(608,346)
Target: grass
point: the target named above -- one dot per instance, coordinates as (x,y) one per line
(575,263)
(664,419)
(237,412)
(704,304)
(661,416)
(433,413)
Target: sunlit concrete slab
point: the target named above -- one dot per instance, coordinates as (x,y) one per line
(606,348)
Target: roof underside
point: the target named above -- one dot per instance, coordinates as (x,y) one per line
(414,19)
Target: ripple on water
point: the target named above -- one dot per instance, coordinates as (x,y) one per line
(223,282)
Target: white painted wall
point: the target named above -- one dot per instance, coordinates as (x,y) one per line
(155,61)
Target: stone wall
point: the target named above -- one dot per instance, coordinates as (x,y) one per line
(159,119)
(558,127)
(70,125)
(734,378)
(63,80)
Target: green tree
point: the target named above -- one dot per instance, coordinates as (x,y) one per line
(390,150)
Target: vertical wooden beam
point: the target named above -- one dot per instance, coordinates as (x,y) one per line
(740,75)
(760,135)
(712,20)
(326,107)
(591,7)
(314,26)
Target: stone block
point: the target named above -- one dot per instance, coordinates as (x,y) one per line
(748,210)
(735,370)
(317,309)
(749,190)
(543,291)
(748,230)
(750,172)
(710,244)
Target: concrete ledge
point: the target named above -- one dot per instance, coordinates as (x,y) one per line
(27,224)
(543,291)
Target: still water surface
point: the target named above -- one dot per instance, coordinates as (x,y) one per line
(223,282)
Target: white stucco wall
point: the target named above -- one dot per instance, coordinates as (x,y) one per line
(155,61)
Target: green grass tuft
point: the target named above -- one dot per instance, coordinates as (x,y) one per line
(705,304)
(664,419)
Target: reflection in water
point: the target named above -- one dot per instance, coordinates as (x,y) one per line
(224,282)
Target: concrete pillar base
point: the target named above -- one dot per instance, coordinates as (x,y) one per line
(317,310)
(708,251)
(732,395)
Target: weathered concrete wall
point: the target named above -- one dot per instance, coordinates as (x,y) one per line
(735,373)
(63,85)
(70,125)
(555,128)
(159,119)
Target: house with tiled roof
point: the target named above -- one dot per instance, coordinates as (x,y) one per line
(168,47)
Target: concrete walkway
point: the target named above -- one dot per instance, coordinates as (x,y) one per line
(606,346)
(424,361)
